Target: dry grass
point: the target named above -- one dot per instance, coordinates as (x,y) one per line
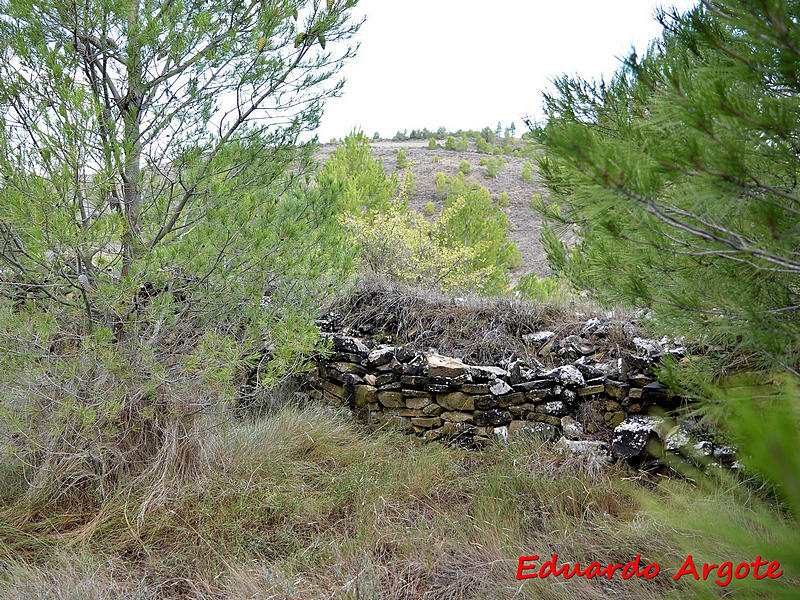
(307,504)
(477,329)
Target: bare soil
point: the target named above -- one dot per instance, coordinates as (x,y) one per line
(525,224)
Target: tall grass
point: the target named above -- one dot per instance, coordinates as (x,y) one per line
(307,504)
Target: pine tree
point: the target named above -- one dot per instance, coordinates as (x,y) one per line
(684,188)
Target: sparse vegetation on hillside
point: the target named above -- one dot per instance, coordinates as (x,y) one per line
(464,167)
(527,173)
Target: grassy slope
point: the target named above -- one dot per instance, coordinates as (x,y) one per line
(310,505)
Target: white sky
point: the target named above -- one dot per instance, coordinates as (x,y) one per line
(471,63)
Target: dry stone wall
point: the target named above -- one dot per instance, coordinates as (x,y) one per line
(614,409)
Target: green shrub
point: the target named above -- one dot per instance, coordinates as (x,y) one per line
(527,173)
(494,166)
(432,145)
(482,145)
(465,167)
(503,200)
(402,159)
(463,144)
(441,185)
(537,203)
(545,290)
(437,158)
(450,144)
(498,151)
(430,208)
(484,161)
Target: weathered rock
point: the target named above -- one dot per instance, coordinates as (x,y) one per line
(391,399)
(615,418)
(400,422)
(456,401)
(591,390)
(511,399)
(417,403)
(536,384)
(520,410)
(501,433)
(385,378)
(485,402)
(725,454)
(410,393)
(500,388)
(541,430)
(364,394)
(416,365)
(534,395)
(635,393)
(632,435)
(568,375)
(351,345)
(445,366)
(555,408)
(427,422)
(571,428)
(457,416)
(677,439)
(593,450)
(538,337)
(542,418)
(393,365)
(491,417)
(433,434)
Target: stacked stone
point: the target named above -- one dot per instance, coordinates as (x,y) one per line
(437,396)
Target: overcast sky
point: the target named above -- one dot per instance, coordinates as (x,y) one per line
(471,63)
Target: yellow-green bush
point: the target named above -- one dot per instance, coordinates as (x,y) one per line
(430,208)
(503,200)
(465,167)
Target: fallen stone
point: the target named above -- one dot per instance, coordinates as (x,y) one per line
(544,431)
(631,436)
(572,429)
(593,450)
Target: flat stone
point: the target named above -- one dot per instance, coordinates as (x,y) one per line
(475,388)
(590,449)
(534,395)
(455,401)
(520,410)
(393,365)
(511,399)
(484,373)
(635,393)
(632,435)
(381,356)
(591,390)
(427,422)
(445,366)
(433,410)
(552,420)
(407,393)
(457,416)
(417,403)
(400,422)
(391,399)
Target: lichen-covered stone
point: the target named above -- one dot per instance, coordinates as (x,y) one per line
(542,430)
(433,410)
(485,402)
(381,356)
(591,390)
(457,428)
(512,399)
(632,435)
(572,429)
(475,388)
(568,375)
(555,408)
(491,417)
(617,389)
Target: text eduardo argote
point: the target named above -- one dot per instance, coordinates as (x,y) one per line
(530,567)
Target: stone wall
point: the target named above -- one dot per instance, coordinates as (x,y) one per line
(613,409)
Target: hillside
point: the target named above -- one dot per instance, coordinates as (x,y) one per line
(525,224)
